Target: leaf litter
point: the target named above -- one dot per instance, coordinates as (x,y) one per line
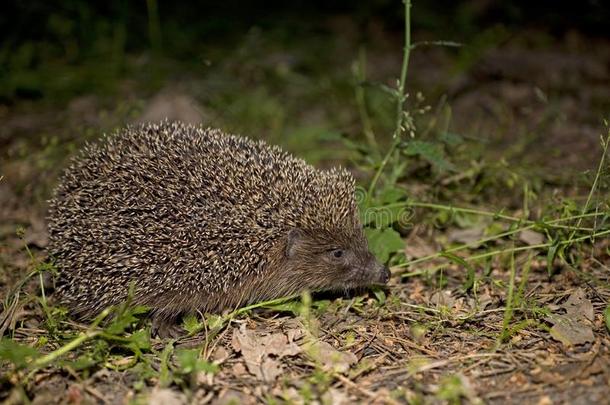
(262,354)
(574,326)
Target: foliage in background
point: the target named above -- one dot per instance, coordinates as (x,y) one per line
(56,50)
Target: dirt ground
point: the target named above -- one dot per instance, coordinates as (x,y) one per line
(426,342)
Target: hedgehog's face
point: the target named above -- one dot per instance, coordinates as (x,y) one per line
(334,261)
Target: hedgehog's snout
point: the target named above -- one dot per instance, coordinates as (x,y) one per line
(381,273)
(371,272)
(385,275)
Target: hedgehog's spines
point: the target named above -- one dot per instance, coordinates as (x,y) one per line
(183,210)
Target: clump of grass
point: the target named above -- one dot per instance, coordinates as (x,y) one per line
(388,211)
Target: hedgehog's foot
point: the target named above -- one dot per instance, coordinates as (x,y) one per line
(165,327)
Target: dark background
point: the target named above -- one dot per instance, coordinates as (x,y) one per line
(39,32)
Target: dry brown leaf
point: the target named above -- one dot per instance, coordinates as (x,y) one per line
(291,395)
(238,369)
(165,396)
(220,354)
(442,299)
(330,358)
(417,247)
(578,305)
(335,397)
(232,396)
(466,235)
(257,350)
(294,334)
(573,327)
(531,237)
(279,345)
(570,332)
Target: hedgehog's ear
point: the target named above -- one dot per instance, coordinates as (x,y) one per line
(293,240)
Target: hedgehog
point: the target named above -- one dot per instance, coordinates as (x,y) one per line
(196,220)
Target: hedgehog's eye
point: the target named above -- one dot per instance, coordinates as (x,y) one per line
(337,253)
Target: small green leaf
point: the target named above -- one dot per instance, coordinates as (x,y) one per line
(550,257)
(125,319)
(465,220)
(384,242)
(215,321)
(383,217)
(607,317)
(139,341)
(191,324)
(451,139)
(380,295)
(290,306)
(165,376)
(84,362)
(392,194)
(432,152)
(321,305)
(451,389)
(18,354)
(189,362)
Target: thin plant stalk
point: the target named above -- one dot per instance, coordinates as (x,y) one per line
(154,25)
(508,310)
(552,223)
(91,333)
(595,182)
(367,126)
(519,299)
(230,316)
(400,100)
(503,251)
(491,238)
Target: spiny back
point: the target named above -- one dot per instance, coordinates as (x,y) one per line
(183,209)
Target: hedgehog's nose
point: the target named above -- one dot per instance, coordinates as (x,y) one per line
(381,272)
(385,275)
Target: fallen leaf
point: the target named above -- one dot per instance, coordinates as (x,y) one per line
(270,369)
(330,358)
(570,332)
(291,395)
(465,235)
(74,395)
(484,299)
(577,305)
(238,369)
(294,334)
(442,299)
(256,351)
(279,345)
(335,397)
(531,237)
(573,327)
(418,247)
(231,396)
(165,396)
(220,354)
